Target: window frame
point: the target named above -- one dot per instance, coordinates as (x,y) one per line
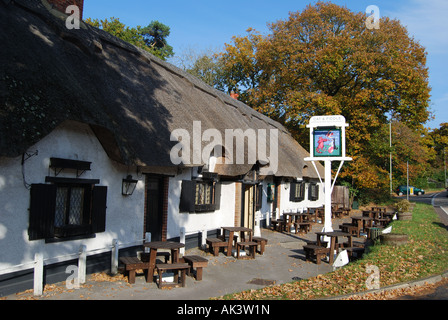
(188,199)
(43,206)
(67,229)
(297,191)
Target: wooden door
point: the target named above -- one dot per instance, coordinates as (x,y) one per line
(154,207)
(248,206)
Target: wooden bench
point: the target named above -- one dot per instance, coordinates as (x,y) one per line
(260,242)
(315,252)
(197,262)
(358,250)
(302,226)
(349,228)
(252,248)
(132,264)
(214,244)
(145,256)
(274,223)
(175,267)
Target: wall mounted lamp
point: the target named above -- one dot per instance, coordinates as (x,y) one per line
(128,186)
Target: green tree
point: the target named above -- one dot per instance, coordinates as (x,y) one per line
(151,38)
(155,35)
(118,29)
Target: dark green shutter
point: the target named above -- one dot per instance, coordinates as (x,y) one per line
(99,205)
(187,196)
(42,211)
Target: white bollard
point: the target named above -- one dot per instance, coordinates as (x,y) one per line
(257,231)
(38,274)
(147,239)
(114,257)
(182,240)
(203,238)
(82,264)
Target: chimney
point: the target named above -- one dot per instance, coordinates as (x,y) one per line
(61,5)
(234,95)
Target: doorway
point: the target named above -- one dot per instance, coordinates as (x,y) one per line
(248,210)
(154,207)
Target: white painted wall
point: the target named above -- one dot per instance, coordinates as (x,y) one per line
(71,140)
(285,204)
(267,211)
(196,222)
(125,214)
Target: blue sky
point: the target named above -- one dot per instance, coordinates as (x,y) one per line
(201,25)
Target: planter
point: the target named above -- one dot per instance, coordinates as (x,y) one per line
(394,239)
(405,216)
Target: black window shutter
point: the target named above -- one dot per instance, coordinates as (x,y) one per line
(317,192)
(42,211)
(292,192)
(217,195)
(99,205)
(187,196)
(313,192)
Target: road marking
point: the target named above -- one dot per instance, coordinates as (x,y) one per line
(432,203)
(434,198)
(444,210)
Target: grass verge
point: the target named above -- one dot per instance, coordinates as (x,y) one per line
(425,254)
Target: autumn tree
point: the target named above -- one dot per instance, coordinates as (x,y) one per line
(437,141)
(324,61)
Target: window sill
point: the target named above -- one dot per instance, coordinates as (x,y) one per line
(71,238)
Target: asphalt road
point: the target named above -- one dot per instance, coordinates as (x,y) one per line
(440,203)
(438,200)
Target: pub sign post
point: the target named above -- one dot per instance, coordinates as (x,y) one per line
(327,143)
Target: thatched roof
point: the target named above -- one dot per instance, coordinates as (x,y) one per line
(131,99)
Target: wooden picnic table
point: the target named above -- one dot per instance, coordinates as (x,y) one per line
(371,213)
(155,245)
(362,223)
(333,235)
(380,209)
(232,231)
(290,218)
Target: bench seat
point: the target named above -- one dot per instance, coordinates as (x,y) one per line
(196,262)
(132,264)
(214,244)
(302,226)
(315,252)
(261,242)
(252,248)
(176,267)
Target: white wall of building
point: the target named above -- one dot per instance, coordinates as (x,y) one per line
(285,204)
(71,140)
(124,214)
(196,222)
